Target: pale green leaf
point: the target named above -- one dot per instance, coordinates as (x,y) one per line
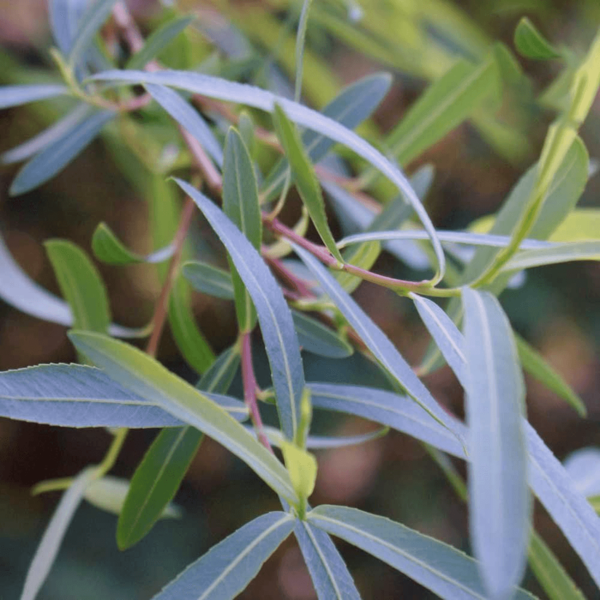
(531,43)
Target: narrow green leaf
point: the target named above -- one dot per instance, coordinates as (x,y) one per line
(15,95)
(241,205)
(327,442)
(499,499)
(560,253)
(300,41)
(142,375)
(316,338)
(57,155)
(109,249)
(227,568)
(437,566)
(580,225)
(209,279)
(275,317)
(532,44)
(533,362)
(81,285)
(157,42)
(305,178)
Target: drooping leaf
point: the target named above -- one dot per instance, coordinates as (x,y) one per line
(561,253)
(109,249)
(316,338)
(208,279)
(158,41)
(227,568)
(57,155)
(437,566)
(374,338)
(188,118)
(500,503)
(305,178)
(80,396)
(329,572)
(215,87)
(48,136)
(273,313)
(55,532)
(15,95)
(81,285)
(531,43)
(241,205)
(159,475)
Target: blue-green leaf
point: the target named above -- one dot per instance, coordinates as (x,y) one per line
(316,338)
(15,95)
(531,43)
(157,42)
(437,566)
(499,499)
(64,19)
(208,279)
(56,156)
(188,118)
(377,342)
(227,568)
(559,253)
(215,87)
(80,396)
(143,375)
(274,315)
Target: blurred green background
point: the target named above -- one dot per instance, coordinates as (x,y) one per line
(556,309)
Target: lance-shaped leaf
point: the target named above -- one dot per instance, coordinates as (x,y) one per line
(64,18)
(188,118)
(15,95)
(55,532)
(157,42)
(109,249)
(215,87)
(81,285)
(531,43)
(227,568)
(305,178)
(499,499)
(48,136)
(80,396)
(146,377)
(274,315)
(350,108)
(437,566)
(91,20)
(57,155)
(241,205)
(316,338)
(377,342)
(209,279)
(329,572)
(560,253)
(159,475)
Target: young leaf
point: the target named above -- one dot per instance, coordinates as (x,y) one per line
(159,475)
(215,87)
(329,572)
(305,178)
(188,118)
(273,313)
(208,279)
(316,338)
(441,568)
(142,375)
(45,138)
(57,155)
(531,43)
(499,499)
(79,396)
(241,205)
(227,568)
(157,42)
(15,95)
(109,249)
(374,338)
(81,285)
(55,532)
(302,467)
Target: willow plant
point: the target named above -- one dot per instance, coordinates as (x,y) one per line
(233,151)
